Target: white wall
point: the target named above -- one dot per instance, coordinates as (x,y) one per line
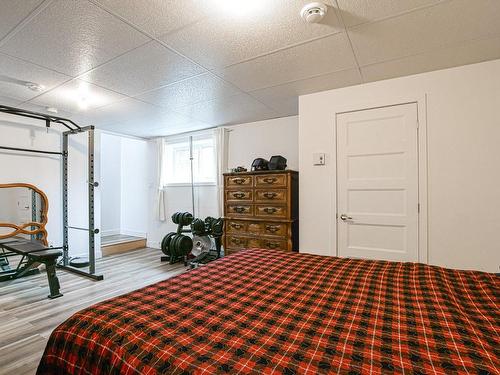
(110,184)
(135,171)
(264,139)
(461,110)
(124,185)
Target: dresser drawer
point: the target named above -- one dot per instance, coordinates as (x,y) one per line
(274,244)
(270,195)
(274,180)
(233,226)
(242,242)
(271,211)
(243,210)
(239,181)
(267,228)
(239,195)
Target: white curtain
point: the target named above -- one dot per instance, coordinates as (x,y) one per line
(162,201)
(221,149)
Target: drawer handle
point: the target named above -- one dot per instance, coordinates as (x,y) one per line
(272,228)
(272,245)
(239,194)
(238,181)
(270,195)
(239,209)
(270,180)
(236,241)
(270,210)
(236,226)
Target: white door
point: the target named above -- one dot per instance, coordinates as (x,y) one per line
(377,183)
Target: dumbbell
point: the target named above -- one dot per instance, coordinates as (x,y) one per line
(165,243)
(182,218)
(198,227)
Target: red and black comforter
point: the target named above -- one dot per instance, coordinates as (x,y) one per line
(263,312)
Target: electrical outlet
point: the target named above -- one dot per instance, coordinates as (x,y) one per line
(319,158)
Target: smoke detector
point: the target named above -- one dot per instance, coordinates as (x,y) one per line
(313,12)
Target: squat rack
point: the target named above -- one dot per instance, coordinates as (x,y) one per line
(72,128)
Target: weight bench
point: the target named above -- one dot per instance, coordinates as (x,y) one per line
(32,255)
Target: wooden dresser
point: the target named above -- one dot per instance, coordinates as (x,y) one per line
(261,209)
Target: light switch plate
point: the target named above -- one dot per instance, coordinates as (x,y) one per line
(319,158)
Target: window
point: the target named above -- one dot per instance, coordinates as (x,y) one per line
(177,163)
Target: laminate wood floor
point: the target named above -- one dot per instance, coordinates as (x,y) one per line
(27,316)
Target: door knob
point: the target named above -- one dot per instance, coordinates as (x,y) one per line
(345,217)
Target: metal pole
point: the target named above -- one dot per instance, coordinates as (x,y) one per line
(65,199)
(192,175)
(91,201)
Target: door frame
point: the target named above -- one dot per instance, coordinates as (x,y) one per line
(422,161)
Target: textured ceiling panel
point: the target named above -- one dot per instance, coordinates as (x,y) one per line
(426,29)
(468,53)
(157,17)
(72,37)
(15,73)
(284,98)
(232,110)
(78,96)
(131,112)
(190,91)
(144,68)
(223,40)
(12,12)
(322,56)
(355,12)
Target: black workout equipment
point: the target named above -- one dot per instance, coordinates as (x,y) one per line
(260,164)
(33,254)
(277,163)
(72,128)
(197,250)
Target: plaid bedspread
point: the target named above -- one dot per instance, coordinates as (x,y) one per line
(263,312)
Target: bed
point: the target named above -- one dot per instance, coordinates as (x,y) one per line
(266,311)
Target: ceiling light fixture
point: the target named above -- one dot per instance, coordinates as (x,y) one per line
(313,12)
(34,86)
(51,110)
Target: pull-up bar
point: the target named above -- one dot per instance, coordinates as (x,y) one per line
(30,150)
(67,123)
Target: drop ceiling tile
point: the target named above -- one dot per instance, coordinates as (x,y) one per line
(355,12)
(72,37)
(156,17)
(284,98)
(13,12)
(70,95)
(222,40)
(15,73)
(11,102)
(233,110)
(135,129)
(311,59)
(144,68)
(426,29)
(469,53)
(130,111)
(310,85)
(190,91)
